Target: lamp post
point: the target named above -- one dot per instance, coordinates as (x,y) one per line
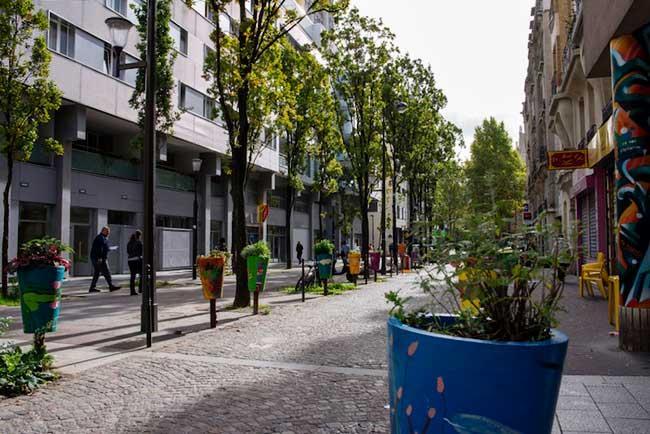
(120,33)
(119,28)
(400,108)
(196,168)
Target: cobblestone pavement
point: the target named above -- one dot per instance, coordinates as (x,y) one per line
(317,367)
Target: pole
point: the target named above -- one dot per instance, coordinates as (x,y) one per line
(213,313)
(149,307)
(195,228)
(256,300)
(383,198)
(395,263)
(302,261)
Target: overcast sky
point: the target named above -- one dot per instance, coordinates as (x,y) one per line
(477,48)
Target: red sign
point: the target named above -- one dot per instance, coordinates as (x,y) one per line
(566,160)
(528,215)
(262,213)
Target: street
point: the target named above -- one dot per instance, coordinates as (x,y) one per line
(317,367)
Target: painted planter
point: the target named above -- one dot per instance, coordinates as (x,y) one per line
(257,267)
(40,298)
(375,259)
(324,261)
(211,274)
(440,383)
(354,263)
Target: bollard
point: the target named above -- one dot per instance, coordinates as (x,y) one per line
(213,313)
(256,300)
(303,280)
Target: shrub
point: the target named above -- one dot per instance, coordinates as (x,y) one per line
(324,247)
(42,252)
(260,249)
(500,286)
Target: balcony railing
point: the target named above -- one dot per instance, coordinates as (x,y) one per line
(174,180)
(607,111)
(106,165)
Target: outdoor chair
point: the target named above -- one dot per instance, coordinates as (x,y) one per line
(594,273)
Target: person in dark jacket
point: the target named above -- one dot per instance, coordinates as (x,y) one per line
(134,249)
(299,250)
(99,259)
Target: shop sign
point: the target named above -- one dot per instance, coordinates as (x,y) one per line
(602,144)
(528,215)
(262,213)
(567,160)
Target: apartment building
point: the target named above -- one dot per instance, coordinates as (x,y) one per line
(98,181)
(570,59)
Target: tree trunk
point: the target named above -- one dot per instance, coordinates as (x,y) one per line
(5,227)
(365,225)
(287,225)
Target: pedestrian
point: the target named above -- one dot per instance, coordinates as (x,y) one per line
(99,258)
(345,249)
(134,249)
(299,250)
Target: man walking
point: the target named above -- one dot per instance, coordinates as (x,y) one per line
(299,250)
(99,259)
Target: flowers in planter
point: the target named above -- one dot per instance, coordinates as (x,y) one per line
(42,252)
(499,286)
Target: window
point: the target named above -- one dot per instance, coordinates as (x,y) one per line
(128,75)
(195,102)
(61,38)
(33,221)
(218,187)
(121,218)
(101,143)
(174,222)
(216,233)
(180,37)
(66,39)
(207,50)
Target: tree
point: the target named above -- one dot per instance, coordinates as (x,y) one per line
(450,201)
(304,114)
(244,70)
(496,174)
(165,58)
(27,97)
(361,50)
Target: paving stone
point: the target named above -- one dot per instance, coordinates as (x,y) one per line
(582,420)
(610,394)
(573,389)
(569,402)
(630,411)
(629,426)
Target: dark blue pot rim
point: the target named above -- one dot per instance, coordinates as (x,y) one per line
(557,337)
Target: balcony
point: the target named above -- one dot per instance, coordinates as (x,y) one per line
(173,180)
(105,165)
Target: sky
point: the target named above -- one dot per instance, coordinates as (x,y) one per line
(478,50)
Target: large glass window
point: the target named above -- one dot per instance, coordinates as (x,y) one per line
(195,102)
(121,218)
(216,233)
(128,75)
(124,7)
(33,221)
(180,37)
(174,222)
(64,38)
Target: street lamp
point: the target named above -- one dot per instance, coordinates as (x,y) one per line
(196,168)
(400,107)
(120,33)
(119,28)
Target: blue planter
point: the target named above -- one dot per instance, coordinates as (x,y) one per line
(40,298)
(324,261)
(446,384)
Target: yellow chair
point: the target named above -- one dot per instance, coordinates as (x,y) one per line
(614,289)
(596,274)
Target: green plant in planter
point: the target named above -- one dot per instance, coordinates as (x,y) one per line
(499,286)
(260,249)
(257,260)
(324,247)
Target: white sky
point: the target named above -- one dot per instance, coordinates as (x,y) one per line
(477,48)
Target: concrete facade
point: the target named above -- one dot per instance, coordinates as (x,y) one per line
(98,181)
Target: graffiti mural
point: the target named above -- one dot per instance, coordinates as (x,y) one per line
(631,94)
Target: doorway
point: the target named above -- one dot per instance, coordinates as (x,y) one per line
(81,239)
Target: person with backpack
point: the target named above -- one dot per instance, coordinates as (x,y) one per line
(135,250)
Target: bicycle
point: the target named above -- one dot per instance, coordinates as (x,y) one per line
(311,278)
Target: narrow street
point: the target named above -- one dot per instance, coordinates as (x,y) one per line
(318,367)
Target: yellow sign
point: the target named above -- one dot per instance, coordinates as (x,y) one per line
(568,160)
(262,213)
(602,143)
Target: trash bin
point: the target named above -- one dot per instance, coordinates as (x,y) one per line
(354,261)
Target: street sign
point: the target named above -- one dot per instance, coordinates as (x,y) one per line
(568,160)
(262,213)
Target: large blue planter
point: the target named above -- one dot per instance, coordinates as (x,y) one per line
(446,384)
(324,261)
(40,298)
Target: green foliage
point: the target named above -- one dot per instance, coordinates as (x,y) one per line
(500,286)
(496,174)
(165,58)
(27,97)
(332,289)
(450,197)
(260,249)
(41,252)
(324,247)
(23,372)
